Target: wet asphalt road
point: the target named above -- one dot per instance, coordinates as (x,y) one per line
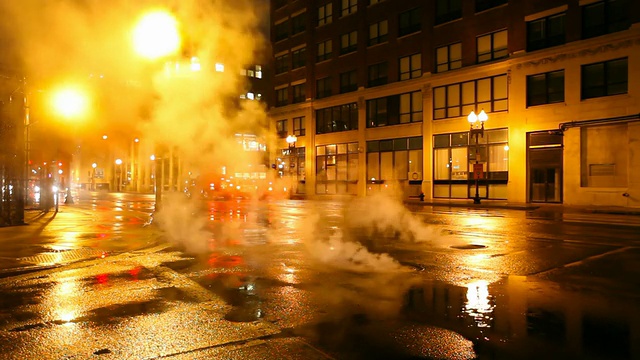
(318,280)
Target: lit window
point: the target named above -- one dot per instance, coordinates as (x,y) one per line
(219,67)
(250,96)
(259,71)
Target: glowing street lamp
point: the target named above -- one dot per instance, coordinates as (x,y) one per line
(119,173)
(156,35)
(70,102)
(291,140)
(93,176)
(476,123)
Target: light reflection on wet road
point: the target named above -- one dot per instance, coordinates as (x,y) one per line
(300,277)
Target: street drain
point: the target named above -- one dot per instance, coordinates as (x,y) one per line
(468,247)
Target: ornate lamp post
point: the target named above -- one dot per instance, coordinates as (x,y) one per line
(291,140)
(119,174)
(476,123)
(93,177)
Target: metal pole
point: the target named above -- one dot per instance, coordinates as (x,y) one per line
(476,200)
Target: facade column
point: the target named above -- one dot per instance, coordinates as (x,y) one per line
(427,142)
(362,147)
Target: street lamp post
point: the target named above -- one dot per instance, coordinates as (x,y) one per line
(93,176)
(119,174)
(476,123)
(291,140)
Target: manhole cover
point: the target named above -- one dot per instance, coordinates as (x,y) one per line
(469,246)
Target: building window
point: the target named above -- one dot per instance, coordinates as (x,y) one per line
(299,23)
(395,109)
(282,30)
(605,78)
(488,94)
(410,67)
(482,5)
(348,42)
(325,13)
(323,88)
(337,119)
(448,10)
(337,169)
(299,126)
(604,17)
(409,22)
(546,32)
(378,74)
(349,7)
(298,58)
(453,155)
(378,32)
(281,128)
(298,93)
(324,51)
(449,57)
(545,88)
(393,160)
(492,46)
(282,63)
(282,97)
(348,81)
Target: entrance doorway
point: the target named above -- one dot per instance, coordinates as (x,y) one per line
(544,166)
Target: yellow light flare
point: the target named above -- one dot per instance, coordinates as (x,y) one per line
(156,35)
(70,103)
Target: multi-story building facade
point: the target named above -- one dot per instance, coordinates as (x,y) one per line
(378,93)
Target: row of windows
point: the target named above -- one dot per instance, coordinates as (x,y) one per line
(395,109)
(290,95)
(598,18)
(596,80)
(445,10)
(458,99)
(299,127)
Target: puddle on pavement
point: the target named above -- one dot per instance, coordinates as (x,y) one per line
(524,316)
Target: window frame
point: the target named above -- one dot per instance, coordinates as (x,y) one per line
(352,42)
(324,55)
(298,93)
(352,83)
(326,17)
(494,52)
(449,61)
(379,37)
(324,90)
(413,19)
(474,105)
(606,83)
(450,11)
(546,41)
(299,126)
(411,72)
(348,7)
(378,74)
(547,86)
(298,58)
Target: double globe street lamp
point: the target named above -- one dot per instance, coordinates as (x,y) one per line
(291,140)
(476,123)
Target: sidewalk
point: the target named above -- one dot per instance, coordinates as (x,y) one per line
(497,204)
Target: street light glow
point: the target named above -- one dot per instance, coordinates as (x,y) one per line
(156,35)
(70,102)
